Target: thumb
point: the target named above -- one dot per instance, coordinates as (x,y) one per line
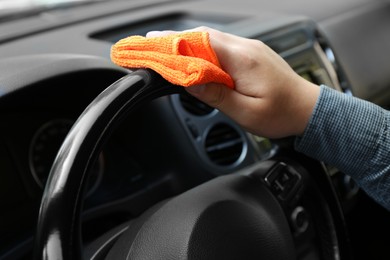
(212,94)
(228,101)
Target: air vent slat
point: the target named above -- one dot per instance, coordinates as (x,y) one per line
(223,145)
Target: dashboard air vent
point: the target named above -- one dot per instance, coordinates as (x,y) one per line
(224,145)
(194,106)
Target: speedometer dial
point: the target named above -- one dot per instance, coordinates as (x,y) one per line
(44,147)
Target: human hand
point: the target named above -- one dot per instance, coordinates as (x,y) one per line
(269,98)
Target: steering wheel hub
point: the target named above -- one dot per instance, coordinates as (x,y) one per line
(231,217)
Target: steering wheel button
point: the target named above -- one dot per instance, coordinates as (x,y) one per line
(299,219)
(282,180)
(277,188)
(285,177)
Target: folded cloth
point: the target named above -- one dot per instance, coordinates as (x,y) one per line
(184,59)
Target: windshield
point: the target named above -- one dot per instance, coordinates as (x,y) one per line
(28,4)
(10,9)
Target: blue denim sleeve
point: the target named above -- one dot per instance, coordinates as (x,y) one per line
(352,135)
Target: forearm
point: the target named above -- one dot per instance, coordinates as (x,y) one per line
(352,135)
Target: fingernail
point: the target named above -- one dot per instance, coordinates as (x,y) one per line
(153,34)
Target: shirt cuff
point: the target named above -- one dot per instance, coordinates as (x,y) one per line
(352,135)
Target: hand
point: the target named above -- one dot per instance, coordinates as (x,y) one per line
(269,98)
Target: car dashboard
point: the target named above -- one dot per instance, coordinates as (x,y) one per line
(54,64)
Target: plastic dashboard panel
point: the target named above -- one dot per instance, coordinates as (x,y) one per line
(364,58)
(36,68)
(361,19)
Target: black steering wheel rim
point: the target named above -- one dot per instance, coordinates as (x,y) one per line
(60,238)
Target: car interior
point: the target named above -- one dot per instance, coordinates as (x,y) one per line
(103,162)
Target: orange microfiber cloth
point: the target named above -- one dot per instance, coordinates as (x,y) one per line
(184,59)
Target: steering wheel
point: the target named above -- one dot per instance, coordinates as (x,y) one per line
(262,212)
